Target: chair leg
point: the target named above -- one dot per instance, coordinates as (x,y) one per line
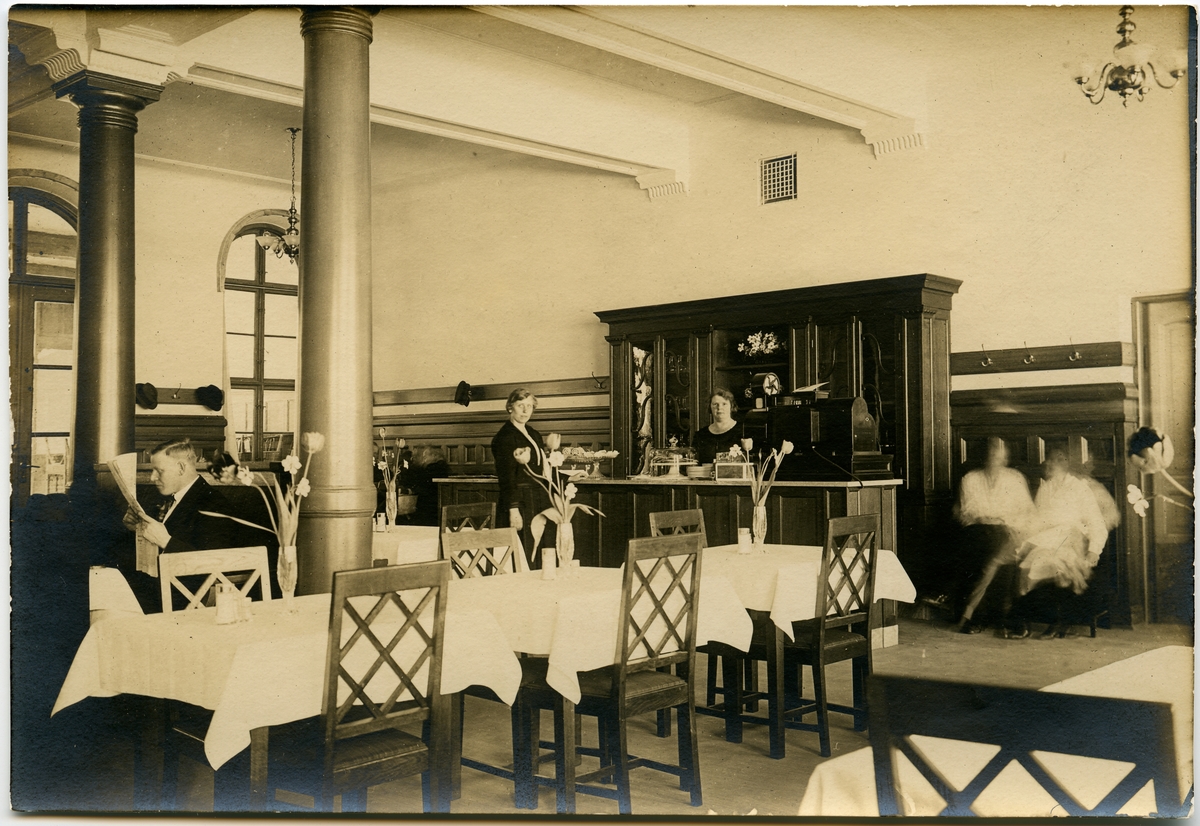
(564,757)
(793,683)
(621,764)
(459,708)
(732,701)
(822,709)
(750,680)
(689,753)
(861,672)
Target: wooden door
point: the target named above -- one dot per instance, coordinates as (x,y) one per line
(1166,379)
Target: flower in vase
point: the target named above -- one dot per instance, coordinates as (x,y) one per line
(303,487)
(291,464)
(553,442)
(558,487)
(522,455)
(313,442)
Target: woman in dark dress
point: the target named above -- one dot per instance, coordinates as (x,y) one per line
(520,496)
(723,433)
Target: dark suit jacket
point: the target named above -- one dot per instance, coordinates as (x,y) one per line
(193,531)
(517,489)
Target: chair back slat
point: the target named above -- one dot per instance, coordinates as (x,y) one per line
(240,568)
(476,515)
(383,667)
(659,600)
(1023,725)
(484,552)
(848,570)
(670,523)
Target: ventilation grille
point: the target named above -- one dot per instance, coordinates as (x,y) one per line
(778,178)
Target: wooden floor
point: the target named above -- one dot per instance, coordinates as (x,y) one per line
(77,762)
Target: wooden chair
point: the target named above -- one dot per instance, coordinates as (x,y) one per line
(840,631)
(382,675)
(477,515)
(241,569)
(484,552)
(217,566)
(1021,724)
(659,600)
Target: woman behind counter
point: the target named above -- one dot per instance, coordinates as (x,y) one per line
(723,433)
(520,496)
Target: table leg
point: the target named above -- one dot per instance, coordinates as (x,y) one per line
(564,734)
(148,756)
(456,740)
(775,684)
(258,768)
(731,677)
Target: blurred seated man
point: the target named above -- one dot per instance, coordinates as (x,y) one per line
(1060,554)
(178,517)
(994,509)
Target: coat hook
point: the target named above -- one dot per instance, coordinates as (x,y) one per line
(1028,355)
(1074,356)
(987,360)
(599,381)
(175,395)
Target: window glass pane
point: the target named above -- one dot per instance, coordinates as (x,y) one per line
(282,315)
(53,400)
(280,270)
(281,411)
(53,332)
(239,410)
(279,360)
(240,261)
(239,311)
(239,355)
(50,244)
(48,457)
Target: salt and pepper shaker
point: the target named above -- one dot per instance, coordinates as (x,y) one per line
(549,563)
(227,605)
(245,613)
(745,541)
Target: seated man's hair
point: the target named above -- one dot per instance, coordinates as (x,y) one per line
(177,448)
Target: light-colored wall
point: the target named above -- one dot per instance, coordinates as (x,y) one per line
(489,266)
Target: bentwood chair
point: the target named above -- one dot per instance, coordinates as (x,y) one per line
(188,724)
(382,677)
(840,631)
(1022,729)
(660,594)
(238,568)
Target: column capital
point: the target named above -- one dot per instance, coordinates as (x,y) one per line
(117,100)
(346,19)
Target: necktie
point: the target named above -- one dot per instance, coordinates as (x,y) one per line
(165,507)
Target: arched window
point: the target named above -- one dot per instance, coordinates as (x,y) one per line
(41,314)
(262,314)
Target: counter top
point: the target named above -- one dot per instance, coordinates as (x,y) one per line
(683,480)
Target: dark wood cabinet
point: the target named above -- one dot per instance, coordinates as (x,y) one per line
(887,340)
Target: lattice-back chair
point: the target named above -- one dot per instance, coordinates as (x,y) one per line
(840,631)
(382,676)
(245,571)
(660,597)
(484,552)
(476,515)
(1024,732)
(241,569)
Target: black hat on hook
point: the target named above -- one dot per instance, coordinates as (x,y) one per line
(146,395)
(210,396)
(462,394)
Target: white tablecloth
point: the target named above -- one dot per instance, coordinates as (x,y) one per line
(845,786)
(405,543)
(265,672)
(574,618)
(783,580)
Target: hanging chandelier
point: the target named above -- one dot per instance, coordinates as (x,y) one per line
(1132,64)
(289,244)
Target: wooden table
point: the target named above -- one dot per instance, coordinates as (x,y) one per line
(261,673)
(782,581)
(845,786)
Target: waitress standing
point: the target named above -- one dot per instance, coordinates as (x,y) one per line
(521,497)
(723,433)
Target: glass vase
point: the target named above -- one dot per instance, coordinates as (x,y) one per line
(566,546)
(759,526)
(285,571)
(390,505)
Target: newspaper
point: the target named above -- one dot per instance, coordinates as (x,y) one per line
(124,471)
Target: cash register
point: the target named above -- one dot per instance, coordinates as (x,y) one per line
(833,439)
